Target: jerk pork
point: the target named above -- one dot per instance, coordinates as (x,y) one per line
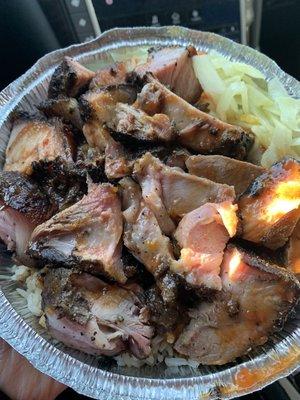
(221,169)
(171,193)
(256,299)
(202,235)
(64,107)
(86,235)
(270,208)
(33,139)
(88,314)
(173,67)
(197,130)
(22,207)
(69,79)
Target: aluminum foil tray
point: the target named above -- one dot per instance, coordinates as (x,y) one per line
(97,377)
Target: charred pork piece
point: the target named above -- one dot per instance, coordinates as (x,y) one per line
(133,125)
(161,315)
(270,208)
(22,207)
(117,164)
(113,75)
(34,139)
(91,161)
(171,193)
(63,182)
(92,316)
(293,251)
(197,130)
(256,299)
(64,107)
(173,67)
(98,108)
(86,235)
(144,239)
(112,106)
(202,235)
(100,104)
(223,169)
(69,79)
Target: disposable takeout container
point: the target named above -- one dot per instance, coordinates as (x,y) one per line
(98,377)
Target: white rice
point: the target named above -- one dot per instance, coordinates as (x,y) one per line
(33,287)
(162,348)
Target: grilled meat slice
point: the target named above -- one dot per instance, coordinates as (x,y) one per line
(257,298)
(66,108)
(169,192)
(293,251)
(34,139)
(69,79)
(145,241)
(86,235)
(161,314)
(117,164)
(173,67)
(100,104)
(131,124)
(63,182)
(114,74)
(202,235)
(142,235)
(112,106)
(92,316)
(197,130)
(221,169)
(91,160)
(98,109)
(148,173)
(270,208)
(22,207)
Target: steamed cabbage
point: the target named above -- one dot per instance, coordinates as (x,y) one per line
(239,94)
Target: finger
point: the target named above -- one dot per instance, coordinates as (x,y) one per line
(21,381)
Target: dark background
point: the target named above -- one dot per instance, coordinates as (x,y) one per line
(31,28)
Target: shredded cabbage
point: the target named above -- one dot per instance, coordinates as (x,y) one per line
(239,94)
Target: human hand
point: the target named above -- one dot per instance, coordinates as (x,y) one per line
(19,380)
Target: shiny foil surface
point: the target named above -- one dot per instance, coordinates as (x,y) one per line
(99,377)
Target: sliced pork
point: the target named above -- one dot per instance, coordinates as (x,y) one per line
(34,139)
(69,79)
(197,130)
(256,299)
(86,235)
(142,234)
(61,181)
(131,124)
(172,193)
(64,107)
(270,208)
(100,104)
(146,242)
(22,207)
(221,169)
(173,67)
(92,316)
(91,160)
(202,235)
(112,75)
